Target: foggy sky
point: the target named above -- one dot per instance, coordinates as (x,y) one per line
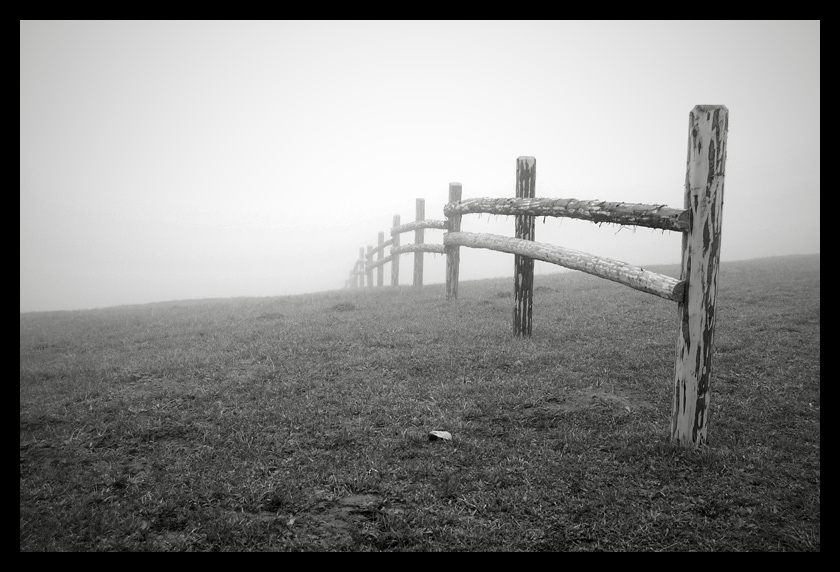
(178,160)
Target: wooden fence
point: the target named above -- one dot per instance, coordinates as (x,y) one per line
(362,271)
(694,293)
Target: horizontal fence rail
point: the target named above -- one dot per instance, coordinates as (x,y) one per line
(433,248)
(379,262)
(617,271)
(699,221)
(631,214)
(381,246)
(408,227)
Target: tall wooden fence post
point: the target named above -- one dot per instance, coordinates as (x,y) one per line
(360,267)
(395,258)
(453,253)
(523,279)
(379,269)
(707,130)
(368,269)
(418,240)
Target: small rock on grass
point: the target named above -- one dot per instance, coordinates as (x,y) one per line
(440,435)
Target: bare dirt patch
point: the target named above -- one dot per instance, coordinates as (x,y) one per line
(608,401)
(333,523)
(348,512)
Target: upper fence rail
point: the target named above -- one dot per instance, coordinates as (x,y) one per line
(629,214)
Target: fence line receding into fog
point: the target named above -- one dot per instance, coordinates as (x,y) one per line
(699,221)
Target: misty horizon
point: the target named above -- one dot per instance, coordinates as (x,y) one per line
(164,161)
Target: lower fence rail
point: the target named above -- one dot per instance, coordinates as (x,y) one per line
(615,270)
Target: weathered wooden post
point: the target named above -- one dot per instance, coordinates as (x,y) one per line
(707,130)
(523,279)
(395,258)
(420,214)
(379,270)
(360,268)
(368,269)
(453,253)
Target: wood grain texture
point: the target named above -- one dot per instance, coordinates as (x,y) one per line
(523,265)
(628,214)
(637,278)
(705,171)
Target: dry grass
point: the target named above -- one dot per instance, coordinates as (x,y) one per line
(300,423)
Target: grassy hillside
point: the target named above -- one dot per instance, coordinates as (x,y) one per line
(301,422)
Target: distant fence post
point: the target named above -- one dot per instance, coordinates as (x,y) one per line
(395,258)
(453,253)
(523,279)
(360,267)
(418,240)
(707,132)
(379,269)
(368,269)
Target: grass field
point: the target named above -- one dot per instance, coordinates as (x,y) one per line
(301,423)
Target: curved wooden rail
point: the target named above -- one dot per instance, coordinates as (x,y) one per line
(615,270)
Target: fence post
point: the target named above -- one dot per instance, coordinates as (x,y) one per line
(379,269)
(453,253)
(707,131)
(523,279)
(395,260)
(420,214)
(368,269)
(360,267)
